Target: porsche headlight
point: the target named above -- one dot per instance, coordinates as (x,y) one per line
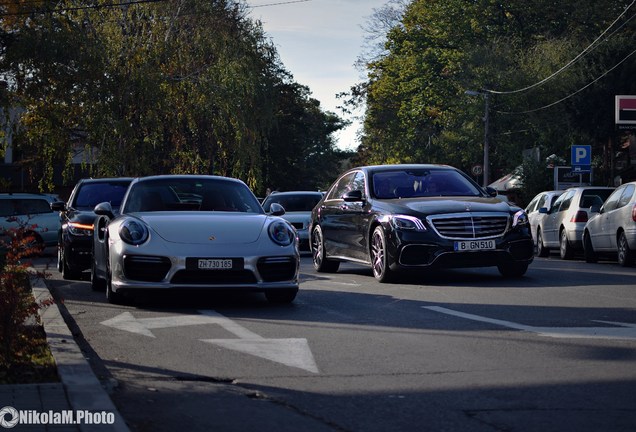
(520,219)
(407,223)
(78,229)
(133,232)
(281,233)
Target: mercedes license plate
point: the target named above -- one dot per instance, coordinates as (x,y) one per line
(214,264)
(474,245)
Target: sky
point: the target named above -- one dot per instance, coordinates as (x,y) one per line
(319,42)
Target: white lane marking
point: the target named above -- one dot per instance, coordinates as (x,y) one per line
(623,331)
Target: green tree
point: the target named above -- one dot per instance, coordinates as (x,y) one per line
(417,109)
(186,86)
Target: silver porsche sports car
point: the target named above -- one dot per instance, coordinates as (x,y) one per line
(193,232)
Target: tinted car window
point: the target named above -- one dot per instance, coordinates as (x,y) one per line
(421,183)
(626,196)
(567,201)
(187,195)
(91,194)
(293,202)
(612,201)
(20,206)
(341,187)
(358,182)
(596,197)
(557,205)
(532,205)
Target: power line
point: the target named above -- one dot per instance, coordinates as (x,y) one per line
(282,3)
(570,63)
(572,94)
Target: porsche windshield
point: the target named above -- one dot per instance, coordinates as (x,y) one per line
(422,183)
(196,194)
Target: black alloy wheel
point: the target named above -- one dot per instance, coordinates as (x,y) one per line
(379,259)
(319,254)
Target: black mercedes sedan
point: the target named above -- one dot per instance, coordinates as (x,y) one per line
(416,217)
(75,237)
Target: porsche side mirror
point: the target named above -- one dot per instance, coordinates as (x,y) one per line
(276,209)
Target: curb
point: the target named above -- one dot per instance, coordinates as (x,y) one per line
(83,389)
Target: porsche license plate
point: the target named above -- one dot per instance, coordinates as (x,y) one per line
(215,264)
(474,245)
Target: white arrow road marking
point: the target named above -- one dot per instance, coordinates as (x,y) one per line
(624,331)
(127,322)
(293,352)
(290,352)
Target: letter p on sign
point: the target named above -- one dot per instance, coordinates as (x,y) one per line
(581,155)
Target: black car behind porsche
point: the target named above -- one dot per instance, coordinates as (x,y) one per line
(75,239)
(417,217)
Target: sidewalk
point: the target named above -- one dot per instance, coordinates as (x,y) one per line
(78,389)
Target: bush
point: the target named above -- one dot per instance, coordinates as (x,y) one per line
(17,304)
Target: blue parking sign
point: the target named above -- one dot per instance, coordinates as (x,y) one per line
(581,155)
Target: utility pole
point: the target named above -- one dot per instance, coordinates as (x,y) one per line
(486,119)
(486,141)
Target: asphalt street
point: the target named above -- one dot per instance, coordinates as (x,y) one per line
(456,350)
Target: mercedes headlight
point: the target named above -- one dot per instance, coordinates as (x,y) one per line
(281,233)
(520,219)
(407,223)
(133,232)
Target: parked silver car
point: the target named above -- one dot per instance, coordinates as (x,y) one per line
(562,226)
(298,206)
(32,211)
(543,199)
(613,228)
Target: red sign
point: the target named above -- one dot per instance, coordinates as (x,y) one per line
(625,110)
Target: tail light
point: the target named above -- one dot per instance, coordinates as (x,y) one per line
(634,213)
(580,216)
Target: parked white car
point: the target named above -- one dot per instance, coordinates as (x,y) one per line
(613,228)
(562,226)
(544,199)
(298,206)
(31,211)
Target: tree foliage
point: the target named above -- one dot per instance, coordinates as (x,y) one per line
(184,86)
(417,108)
